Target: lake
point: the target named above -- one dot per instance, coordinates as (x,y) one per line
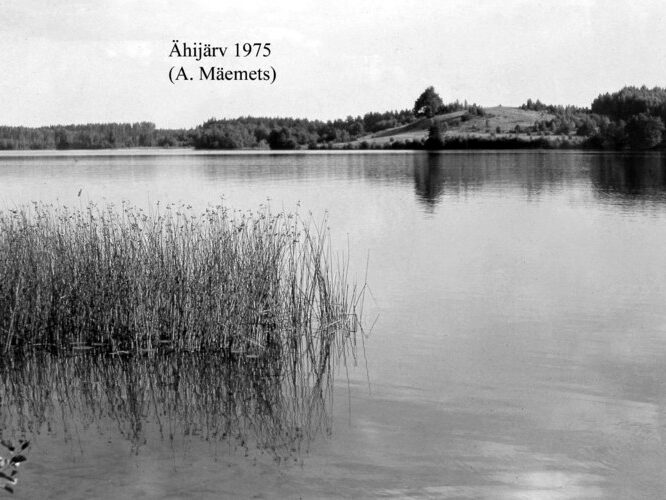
(518,310)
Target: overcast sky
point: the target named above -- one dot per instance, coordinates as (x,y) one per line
(91,61)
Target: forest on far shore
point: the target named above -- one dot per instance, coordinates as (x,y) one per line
(631,118)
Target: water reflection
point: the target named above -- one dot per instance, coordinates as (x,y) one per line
(244,400)
(438,174)
(613,178)
(629,178)
(429,179)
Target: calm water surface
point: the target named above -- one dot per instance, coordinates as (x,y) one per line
(519,350)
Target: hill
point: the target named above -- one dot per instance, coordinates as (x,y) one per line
(497,122)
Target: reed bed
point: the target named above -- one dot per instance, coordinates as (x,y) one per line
(128,280)
(259,294)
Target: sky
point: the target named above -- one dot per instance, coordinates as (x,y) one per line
(90,61)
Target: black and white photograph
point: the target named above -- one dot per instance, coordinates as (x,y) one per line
(316,250)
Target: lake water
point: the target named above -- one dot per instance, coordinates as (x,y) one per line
(519,347)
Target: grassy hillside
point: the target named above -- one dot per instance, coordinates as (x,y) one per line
(498,121)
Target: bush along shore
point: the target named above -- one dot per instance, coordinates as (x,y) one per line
(257,292)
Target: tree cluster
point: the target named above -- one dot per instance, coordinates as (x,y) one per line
(429,104)
(554,109)
(90,136)
(632,118)
(291,133)
(631,101)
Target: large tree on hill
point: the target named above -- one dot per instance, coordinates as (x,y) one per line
(428,103)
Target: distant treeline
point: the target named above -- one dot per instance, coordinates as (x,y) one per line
(632,118)
(238,133)
(631,101)
(292,133)
(91,136)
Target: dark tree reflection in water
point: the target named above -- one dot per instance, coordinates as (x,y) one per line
(618,179)
(429,180)
(630,178)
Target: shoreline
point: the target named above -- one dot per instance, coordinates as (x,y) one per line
(157,151)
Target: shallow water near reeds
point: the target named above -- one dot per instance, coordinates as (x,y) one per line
(519,348)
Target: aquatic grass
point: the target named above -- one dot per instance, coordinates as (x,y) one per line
(127,280)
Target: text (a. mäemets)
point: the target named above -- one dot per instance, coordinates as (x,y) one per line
(220,74)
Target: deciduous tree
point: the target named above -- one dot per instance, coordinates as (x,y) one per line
(428,103)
